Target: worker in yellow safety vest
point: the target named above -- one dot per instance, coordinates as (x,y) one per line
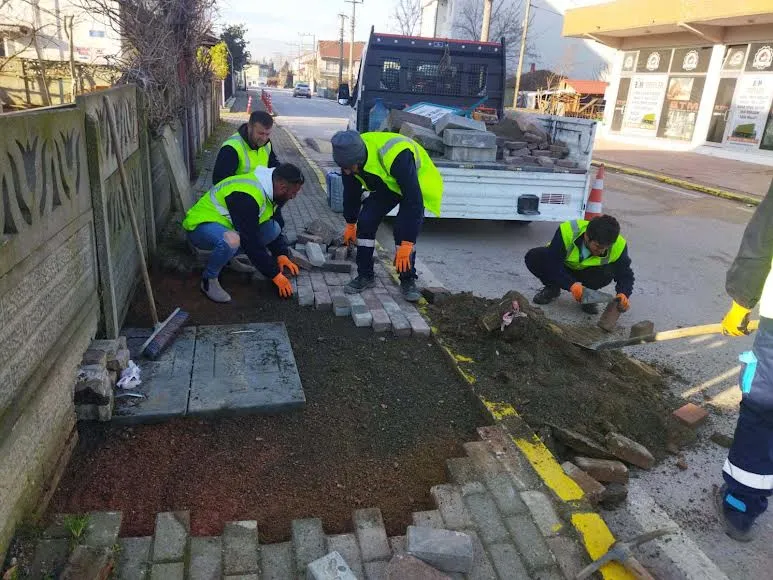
(248,148)
(395,170)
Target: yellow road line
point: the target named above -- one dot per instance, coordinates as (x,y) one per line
(598,539)
(549,470)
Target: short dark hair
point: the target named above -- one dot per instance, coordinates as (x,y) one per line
(289,173)
(603,229)
(263,118)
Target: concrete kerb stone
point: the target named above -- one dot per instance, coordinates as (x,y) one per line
(446,550)
(346,545)
(330,567)
(308,542)
(371,534)
(170,540)
(240,547)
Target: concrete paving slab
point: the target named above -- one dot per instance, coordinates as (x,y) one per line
(244,368)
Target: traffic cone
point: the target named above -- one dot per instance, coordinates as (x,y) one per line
(249,104)
(593,207)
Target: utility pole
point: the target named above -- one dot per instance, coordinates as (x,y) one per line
(486,20)
(520,54)
(351,41)
(343,17)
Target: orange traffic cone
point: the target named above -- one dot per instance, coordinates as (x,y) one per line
(593,207)
(249,104)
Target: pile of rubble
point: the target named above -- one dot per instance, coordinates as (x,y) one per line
(98,374)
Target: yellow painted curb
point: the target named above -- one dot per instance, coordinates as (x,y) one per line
(549,470)
(716,192)
(598,539)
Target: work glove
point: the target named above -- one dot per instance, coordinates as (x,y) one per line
(736,320)
(285,288)
(623,302)
(576,290)
(285,262)
(403,256)
(350,234)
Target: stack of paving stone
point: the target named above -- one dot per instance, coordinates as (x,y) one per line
(98,373)
(456,138)
(534,147)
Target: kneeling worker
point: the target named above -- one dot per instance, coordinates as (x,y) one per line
(583,254)
(239,212)
(396,170)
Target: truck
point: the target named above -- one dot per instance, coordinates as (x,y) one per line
(462,74)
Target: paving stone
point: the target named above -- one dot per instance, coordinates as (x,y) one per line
(109,346)
(545,161)
(120,361)
(486,517)
(341,253)
(470,154)
(593,490)
(514,145)
(580,443)
(568,163)
(405,567)
(483,460)
(482,568)
(539,153)
(603,470)
(691,415)
(451,506)
(507,561)
(568,554)
(322,300)
(308,541)
(341,306)
(381,322)
(530,543)
(451,121)
(400,325)
(428,519)
(331,279)
(376,570)
(533,138)
(102,529)
(435,294)
(501,445)
(426,137)
(171,536)
(467,138)
(276,561)
(505,494)
(630,451)
(346,545)
(340,266)
(243,577)
(170,571)
(446,550)
(306,238)
(89,563)
(206,559)
(240,547)
(315,254)
(300,258)
(371,534)
(398,544)
(330,567)
(318,281)
(396,118)
(50,557)
(542,512)
(94,357)
(362,319)
(305,295)
(133,557)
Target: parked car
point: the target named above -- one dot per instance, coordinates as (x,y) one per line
(302,90)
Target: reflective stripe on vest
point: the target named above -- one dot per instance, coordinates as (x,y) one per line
(223,210)
(570,232)
(212,208)
(747,478)
(394,141)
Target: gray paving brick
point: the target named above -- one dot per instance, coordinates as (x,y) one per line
(530,543)
(133,558)
(341,266)
(482,569)
(346,545)
(429,519)
(318,281)
(507,562)
(381,322)
(322,300)
(571,558)
(419,326)
(308,541)
(542,512)
(506,496)
(371,534)
(508,455)
(451,506)
(171,537)
(276,561)
(332,566)
(331,279)
(446,550)
(461,470)
(305,295)
(341,306)
(206,559)
(483,459)
(362,319)
(102,529)
(376,570)
(486,517)
(240,547)
(170,571)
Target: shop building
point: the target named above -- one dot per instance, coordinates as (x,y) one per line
(687,75)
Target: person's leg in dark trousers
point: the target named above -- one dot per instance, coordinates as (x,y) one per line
(408,278)
(374,208)
(594,278)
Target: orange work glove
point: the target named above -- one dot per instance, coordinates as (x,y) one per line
(623,303)
(285,262)
(576,290)
(403,256)
(285,288)
(350,234)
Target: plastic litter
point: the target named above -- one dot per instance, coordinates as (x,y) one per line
(130,377)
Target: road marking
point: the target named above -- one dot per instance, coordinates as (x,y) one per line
(650,183)
(678,547)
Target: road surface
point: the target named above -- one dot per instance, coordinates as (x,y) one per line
(682,244)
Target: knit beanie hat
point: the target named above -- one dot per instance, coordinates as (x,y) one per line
(348,149)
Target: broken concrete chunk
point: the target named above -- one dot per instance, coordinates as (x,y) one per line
(427,138)
(451,121)
(540,153)
(593,489)
(89,563)
(642,328)
(108,346)
(299,257)
(396,118)
(330,567)
(529,124)
(405,567)
(603,470)
(630,451)
(315,254)
(93,385)
(614,495)
(446,550)
(465,138)
(581,443)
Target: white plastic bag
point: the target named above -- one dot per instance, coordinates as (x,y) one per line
(130,377)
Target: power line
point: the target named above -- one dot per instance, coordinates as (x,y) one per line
(547,10)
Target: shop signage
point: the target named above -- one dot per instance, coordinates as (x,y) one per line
(749,111)
(735,57)
(645,102)
(760,58)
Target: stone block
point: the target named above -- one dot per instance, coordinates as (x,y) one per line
(427,138)
(505,494)
(315,254)
(396,118)
(507,561)
(85,412)
(405,567)
(322,300)
(93,386)
(629,451)
(102,529)
(515,145)
(120,361)
(530,543)
(487,519)
(170,571)
(435,294)
(330,567)
(472,139)
(376,570)
(240,547)
(580,443)
(276,561)
(94,358)
(305,295)
(567,163)
(419,326)
(299,257)
(451,121)
(559,150)
(346,545)
(305,238)
(470,154)
(593,489)
(108,346)
(362,319)
(614,495)
(380,320)
(545,162)
(324,230)
(133,559)
(171,536)
(542,512)
(341,306)
(540,153)
(461,471)
(318,281)
(451,506)
(89,563)
(528,123)
(603,470)
(533,138)
(690,415)
(428,519)
(371,534)
(569,555)
(341,253)
(50,556)
(308,541)
(446,550)
(206,559)
(343,266)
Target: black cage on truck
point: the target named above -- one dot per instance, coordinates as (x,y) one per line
(404,70)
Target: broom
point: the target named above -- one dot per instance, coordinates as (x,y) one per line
(165,332)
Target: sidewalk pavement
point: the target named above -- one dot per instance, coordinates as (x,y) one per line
(747,182)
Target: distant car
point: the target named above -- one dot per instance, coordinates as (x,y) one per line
(302,90)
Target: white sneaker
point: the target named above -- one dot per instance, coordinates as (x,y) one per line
(241,263)
(214,291)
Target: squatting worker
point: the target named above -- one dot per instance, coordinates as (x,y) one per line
(583,254)
(748,470)
(238,213)
(248,148)
(395,170)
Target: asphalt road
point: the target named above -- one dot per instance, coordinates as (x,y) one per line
(681,243)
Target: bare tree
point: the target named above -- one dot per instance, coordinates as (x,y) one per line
(407,16)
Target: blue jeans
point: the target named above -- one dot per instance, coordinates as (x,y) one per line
(211,236)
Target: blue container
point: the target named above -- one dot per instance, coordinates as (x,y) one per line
(335,191)
(377,115)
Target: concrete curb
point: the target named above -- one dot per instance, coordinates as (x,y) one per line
(716,192)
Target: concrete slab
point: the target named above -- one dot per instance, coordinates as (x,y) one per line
(244,368)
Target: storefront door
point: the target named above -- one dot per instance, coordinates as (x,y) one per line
(622,99)
(721,110)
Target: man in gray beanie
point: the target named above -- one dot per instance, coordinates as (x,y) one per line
(395,170)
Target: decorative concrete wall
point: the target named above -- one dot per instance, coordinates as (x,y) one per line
(116,247)
(48,297)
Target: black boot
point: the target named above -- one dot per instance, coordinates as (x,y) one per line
(547,295)
(410,290)
(359,284)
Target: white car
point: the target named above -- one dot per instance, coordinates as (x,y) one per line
(302,90)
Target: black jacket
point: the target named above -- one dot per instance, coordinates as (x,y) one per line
(227,161)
